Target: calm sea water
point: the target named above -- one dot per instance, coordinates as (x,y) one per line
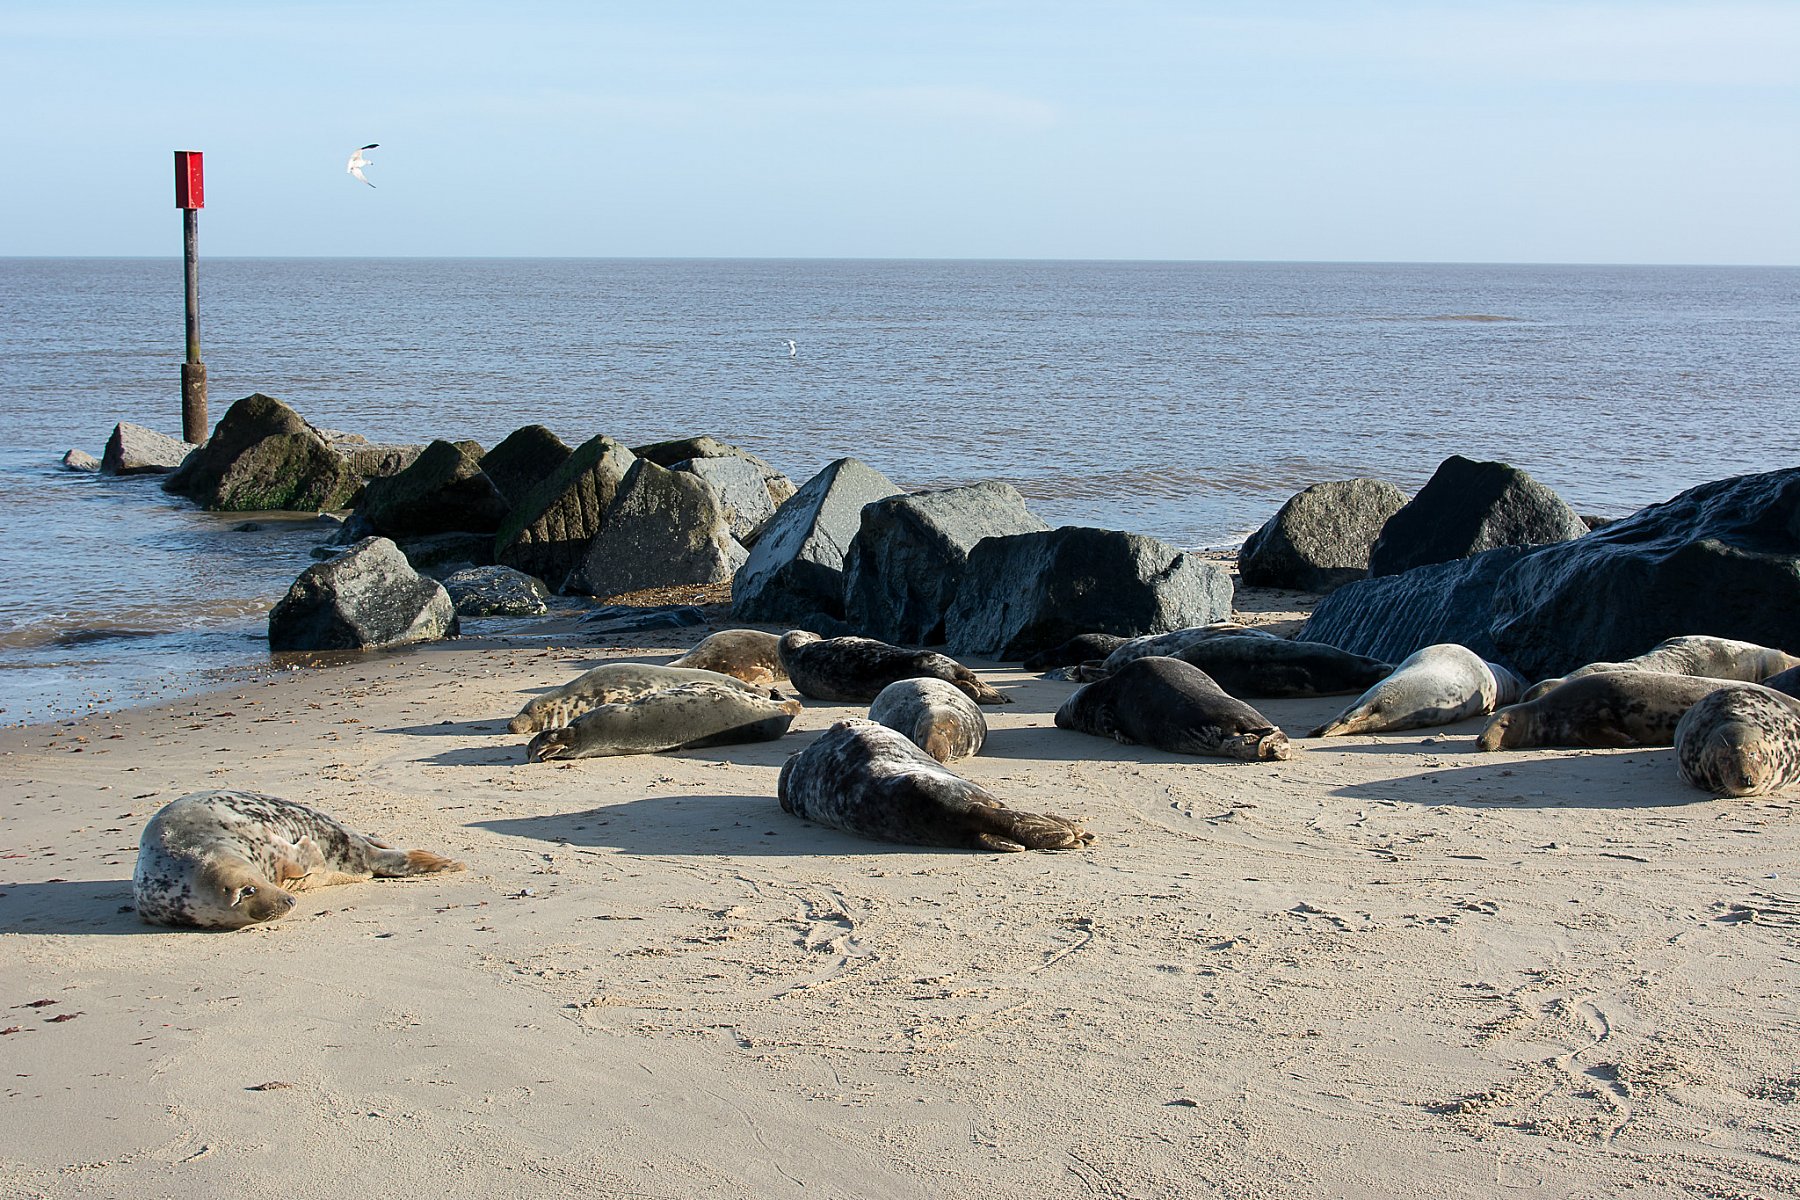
(1184,400)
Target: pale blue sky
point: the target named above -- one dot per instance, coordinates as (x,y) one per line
(1493,132)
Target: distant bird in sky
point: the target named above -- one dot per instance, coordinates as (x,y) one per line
(358,162)
(793,350)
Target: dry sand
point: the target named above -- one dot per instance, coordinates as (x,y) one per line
(1390,967)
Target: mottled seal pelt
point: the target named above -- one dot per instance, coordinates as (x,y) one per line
(1152,645)
(1693,654)
(1252,667)
(855,669)
(1171,705)
(1743,740)
(747,654)
(1077,649)
(935,716)
(610,683)
(1614,708)
(684,717)
(1438,685)
(866,779)
(226,859)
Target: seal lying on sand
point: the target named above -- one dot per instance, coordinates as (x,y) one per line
(1710,657)
(1173,643)
(866,779)
(855,669)
(747,654)
(686,716)
(1788,682)
(935,716)
(1077,649)
(1171,705)
(1438,685)
(1614,708)
(226,859)
(1742,740)
(1263,667)
(610,683)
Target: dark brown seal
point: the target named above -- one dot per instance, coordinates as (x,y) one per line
(855,669)
(226,859)
(1615,708)
(1270,668)
(1171,705)
(1742,740)
(1078,649)
(866,779)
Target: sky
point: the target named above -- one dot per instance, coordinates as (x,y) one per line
(1568,131)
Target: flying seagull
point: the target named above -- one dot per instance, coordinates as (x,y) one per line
(358,162)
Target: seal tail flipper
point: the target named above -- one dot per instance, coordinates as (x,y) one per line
(995,828)
(392,864)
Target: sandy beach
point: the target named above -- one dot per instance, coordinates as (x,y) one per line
(1389,967)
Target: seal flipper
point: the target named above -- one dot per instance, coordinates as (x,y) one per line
(993,827)
(392,864)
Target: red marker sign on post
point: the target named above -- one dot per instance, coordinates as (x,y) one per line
(190,197)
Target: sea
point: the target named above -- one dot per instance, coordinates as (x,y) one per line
(1186,400)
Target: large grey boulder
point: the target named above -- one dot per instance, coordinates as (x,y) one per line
(1390,616)
(664,528)
(1722,559)
(365,597)
(1467,507)
(795,573)
(741,487)
(262,455)
(906,562)
(443,490)
(1320,539)
(495,592)
(371,460)
(1027,592)
(524,458)
(549,531)
(135,450)
(680,450)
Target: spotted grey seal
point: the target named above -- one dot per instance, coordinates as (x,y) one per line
(684,717)
(1742,740)
(1613,708)
(1271,667)
(934,715)
(1693,654)
(867,779)
(1171,705)
(1437,685)
(855,669)
(1077,649)
(1169,644)
(610,683)
(226,859)
(747,654)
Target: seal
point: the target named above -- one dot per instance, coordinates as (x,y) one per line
(933,715)
(855,669)
(610,683)
(747,654)
(1693,654)
(226,859)
(1743,740)
(1175,641)
(1078,649)
(1787,682)
(684,717)
(1271,667)
(1613,708)
(1437,685)
(1172,705)
(866,779)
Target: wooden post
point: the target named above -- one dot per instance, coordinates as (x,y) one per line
(190,198)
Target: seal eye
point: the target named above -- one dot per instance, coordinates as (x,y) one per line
(243,893)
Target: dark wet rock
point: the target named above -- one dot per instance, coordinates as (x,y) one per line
(741,488)
(80,460)
(549,531)
(365,597)
(1721,559)
(1391,616)
(906,562)
(248,527)
(525,458)
(664,528)
(1320,538)
(496,592)
(626,618)
(1026,592)
(263,456)
(443,490)
(135,450)
(795,574)
(441,553)
(1468,507)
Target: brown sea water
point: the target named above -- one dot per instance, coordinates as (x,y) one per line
(1184,400)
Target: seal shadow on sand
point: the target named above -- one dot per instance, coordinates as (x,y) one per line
(696,825)
(452,728)
(70,906)
(1642,777)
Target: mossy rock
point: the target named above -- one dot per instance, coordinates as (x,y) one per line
(548,531)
